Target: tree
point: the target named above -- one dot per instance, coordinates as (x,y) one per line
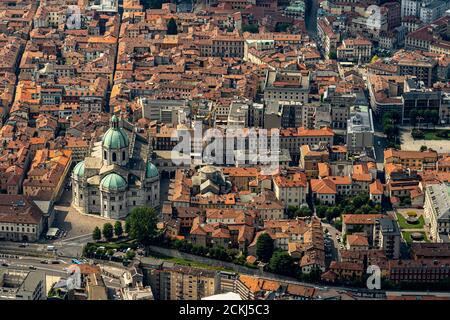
(172,28)
(264,247)
(252,28)
(332,55)
(321,210)
(282,263)
(374,59)
(142,224)
(423,148)
(118,230)
(127,226)
(360,200)
(108,231)
(96,234)
(281,26)
(130,254)
(152,4)
(303,212)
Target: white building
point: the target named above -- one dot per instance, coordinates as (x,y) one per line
(360,130)
(118,175)
(437,211)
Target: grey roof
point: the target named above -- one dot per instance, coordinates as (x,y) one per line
(440,197)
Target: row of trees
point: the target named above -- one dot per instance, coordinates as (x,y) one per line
(359,204)
(391,121)
(140,225)
(108,231)
(418,116)
(294,211)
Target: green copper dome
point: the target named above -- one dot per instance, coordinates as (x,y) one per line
(115,137)
(113,181)
(151,171)
(78,171)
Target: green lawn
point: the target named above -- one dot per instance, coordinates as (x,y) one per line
(185,262)
(405,225)
(407,236)
(432,134)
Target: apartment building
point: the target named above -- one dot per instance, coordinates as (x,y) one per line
(175,282)
(414,160)
(292,189)
(21,219)
(310,157)
(437,211)
(22,285)
(355,50)
(387,237)
(286,85)
(360,129)
(293,138)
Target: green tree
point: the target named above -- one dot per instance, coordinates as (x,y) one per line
(303,212)
(108,231)
(152,4)
(127,227)
(264,247)
(172,28)
(118,230)
(130,254)
(332,55)
(282,263)
(423,148)
(96,234)
(252,28)
(142,222)
(321,210)
(360,200)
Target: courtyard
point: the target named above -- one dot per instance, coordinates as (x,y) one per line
(412,225)
(67,218)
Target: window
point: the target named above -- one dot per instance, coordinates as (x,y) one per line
(114,157)
(123,155)
(105,155)
(112,208)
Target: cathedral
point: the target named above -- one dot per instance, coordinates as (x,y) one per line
(117,176)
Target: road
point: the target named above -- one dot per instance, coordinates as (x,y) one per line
(34,263)
(335,245)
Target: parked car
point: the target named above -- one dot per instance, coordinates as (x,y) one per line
(44,261)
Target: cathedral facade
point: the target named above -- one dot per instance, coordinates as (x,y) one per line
(117,176)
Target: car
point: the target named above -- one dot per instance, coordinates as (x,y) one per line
(23,245)
(55,262)
(44,261)
(32,267)
(4,264)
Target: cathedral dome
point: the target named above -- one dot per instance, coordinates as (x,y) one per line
(78,171)
(113,181)
(151,171)
(115,137)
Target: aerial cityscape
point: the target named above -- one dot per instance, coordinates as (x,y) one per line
(225,150)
